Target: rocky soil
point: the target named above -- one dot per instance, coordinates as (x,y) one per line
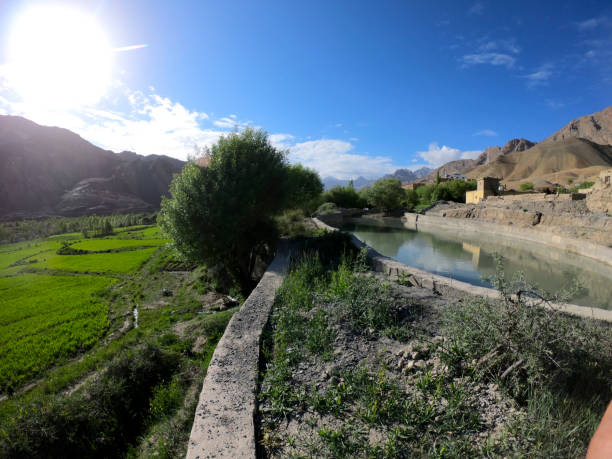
(357,401)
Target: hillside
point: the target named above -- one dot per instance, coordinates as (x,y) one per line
(596,128)
(53,171)
(546,159)
(463,166)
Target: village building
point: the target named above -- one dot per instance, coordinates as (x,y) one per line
(485,186)
(599,197)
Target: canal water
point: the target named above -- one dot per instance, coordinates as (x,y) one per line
(471,258)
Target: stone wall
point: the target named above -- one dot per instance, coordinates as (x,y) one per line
(581,247)
(599,198)
(530,197)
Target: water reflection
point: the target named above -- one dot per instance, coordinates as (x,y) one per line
(470,258)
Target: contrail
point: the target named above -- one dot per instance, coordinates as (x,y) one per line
(129,48)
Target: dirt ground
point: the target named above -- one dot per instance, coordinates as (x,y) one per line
(411,364)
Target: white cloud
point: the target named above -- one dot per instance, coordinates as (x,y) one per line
(331,157)
(554,104)
(281,141)
(151,124)
(486,133)
(231,122)
(497,59)
(507,45)
(540,77)
(476,8)
(591,23)
(435,156)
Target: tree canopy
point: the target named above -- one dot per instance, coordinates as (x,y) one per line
(386,194)
(221,214)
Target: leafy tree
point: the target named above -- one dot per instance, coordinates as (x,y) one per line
(344,196)
(411,199)
(221,215)
(305,188)
(364,195)
(387,194)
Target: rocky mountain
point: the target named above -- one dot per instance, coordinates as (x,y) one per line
(562,159)
(463,166)
(405,175)
(358,183)
(596,128)
(53,171)
(492,153)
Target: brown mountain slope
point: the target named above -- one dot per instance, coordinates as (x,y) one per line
(596,128)
(48,171)
(463,166)
(546,159)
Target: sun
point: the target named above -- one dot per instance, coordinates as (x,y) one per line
(59,57)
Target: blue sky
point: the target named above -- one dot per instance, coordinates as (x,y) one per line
(350,88)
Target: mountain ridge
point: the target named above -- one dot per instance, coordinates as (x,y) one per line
(48,170)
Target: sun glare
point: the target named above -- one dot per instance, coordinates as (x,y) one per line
(59,58)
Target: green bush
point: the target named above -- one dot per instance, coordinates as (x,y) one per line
(99,422)
(386,194)
(526,186)
(326,208)
(453,190)
(344,196)
(525,345)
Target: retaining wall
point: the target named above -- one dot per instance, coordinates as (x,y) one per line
(588,249)
(224,424)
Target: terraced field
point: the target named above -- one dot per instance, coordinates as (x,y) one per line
(53,306)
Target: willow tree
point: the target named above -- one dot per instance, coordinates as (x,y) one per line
(221,214)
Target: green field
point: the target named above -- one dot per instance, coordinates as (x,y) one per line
(114,244)
(76,367)
(53,306)
(45,318)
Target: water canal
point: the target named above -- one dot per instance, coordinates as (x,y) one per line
(471,258)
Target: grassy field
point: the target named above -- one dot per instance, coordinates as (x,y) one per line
(47,313)
(68,340)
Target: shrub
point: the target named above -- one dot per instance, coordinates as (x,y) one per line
(526,186)
(411,199)
(97,423)
(386,194)
(344,196)
(525,345)
(326,208)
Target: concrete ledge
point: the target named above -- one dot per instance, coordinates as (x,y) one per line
(443,284)
(588,249)
(224,423)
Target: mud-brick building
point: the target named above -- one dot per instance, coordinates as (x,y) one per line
(485,186)
(599,197)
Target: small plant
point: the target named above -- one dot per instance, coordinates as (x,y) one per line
(526,345)
(526,186)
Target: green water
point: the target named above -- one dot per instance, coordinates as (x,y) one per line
(470,259)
